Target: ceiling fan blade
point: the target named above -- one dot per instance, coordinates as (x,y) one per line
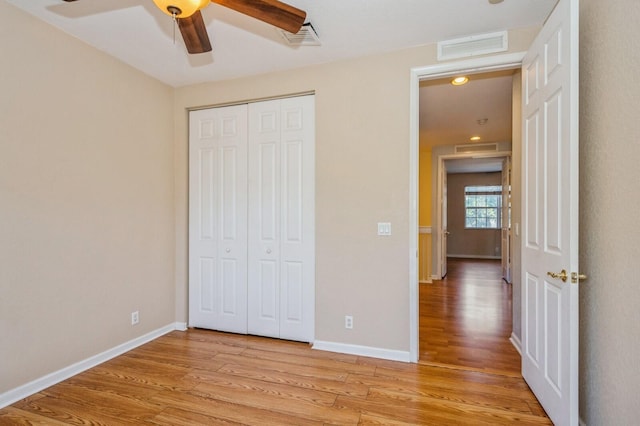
(194,33)
(273,12)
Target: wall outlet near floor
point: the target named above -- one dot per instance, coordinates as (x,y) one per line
(348,321)
(135,317)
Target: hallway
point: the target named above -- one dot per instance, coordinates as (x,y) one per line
(465,319)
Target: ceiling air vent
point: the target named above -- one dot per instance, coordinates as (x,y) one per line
(481,44)
(307,36)
(476,148)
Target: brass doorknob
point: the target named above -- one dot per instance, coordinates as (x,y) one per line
(562,275)
(575,277)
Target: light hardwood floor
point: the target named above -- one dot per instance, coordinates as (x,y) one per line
(465,319)
(203,377)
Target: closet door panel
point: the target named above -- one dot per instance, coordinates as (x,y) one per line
(297,255)
(264,213)
(218,219)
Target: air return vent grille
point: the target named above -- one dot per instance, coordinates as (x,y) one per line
(481,44)
(307,36)
(481,147)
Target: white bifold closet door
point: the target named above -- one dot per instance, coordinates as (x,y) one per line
(253,273)
(218,218)
(281,218)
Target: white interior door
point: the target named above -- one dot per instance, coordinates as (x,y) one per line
(281,217)
(218,219)
(444,232)
(505,219)
(550,215)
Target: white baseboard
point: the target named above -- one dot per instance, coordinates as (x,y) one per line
(368,351)
(13,395)
(429,281)
(435,278)
(181,326)
(515,341)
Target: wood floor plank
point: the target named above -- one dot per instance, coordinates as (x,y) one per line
(226,385)
(203,404)
(206,348)
(177,417)
(281,366)
(16,416)
(141,376)
(483,412)
(428,415)
(451,379)
(178,363)
(76,413)
(293,378)
(475,395)
(279,399)
(301,360)
(371,420)
(109,404)
(430,411)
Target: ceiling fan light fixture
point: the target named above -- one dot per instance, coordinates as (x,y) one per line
(181,8)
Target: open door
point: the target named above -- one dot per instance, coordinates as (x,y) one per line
(550,215)
(444,233)
(505,220)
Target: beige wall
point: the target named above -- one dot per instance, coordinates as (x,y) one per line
(482,243)
(609,206)
(86,201)
(362,177)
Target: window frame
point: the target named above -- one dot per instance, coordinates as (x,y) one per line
(476,191)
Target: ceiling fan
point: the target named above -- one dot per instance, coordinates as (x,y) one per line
(187,14)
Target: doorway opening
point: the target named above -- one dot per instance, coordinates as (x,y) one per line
(500,63)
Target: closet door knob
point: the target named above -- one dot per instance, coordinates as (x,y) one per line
(268,251)
(228,250)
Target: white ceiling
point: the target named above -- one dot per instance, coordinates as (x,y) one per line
(449,114)
(136,32)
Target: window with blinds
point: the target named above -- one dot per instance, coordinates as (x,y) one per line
(482,207)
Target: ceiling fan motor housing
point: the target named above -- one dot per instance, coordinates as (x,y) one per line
(180,8)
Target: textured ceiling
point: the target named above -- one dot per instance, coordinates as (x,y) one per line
(449,115)
(136,32)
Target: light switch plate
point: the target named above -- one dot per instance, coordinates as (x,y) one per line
(384,228)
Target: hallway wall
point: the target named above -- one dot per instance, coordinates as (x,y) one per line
(462,242)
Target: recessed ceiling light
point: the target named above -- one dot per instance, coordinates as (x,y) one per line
(495,1)
(474,138)
(459,81)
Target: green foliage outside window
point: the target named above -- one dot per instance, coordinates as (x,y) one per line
(482,207)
